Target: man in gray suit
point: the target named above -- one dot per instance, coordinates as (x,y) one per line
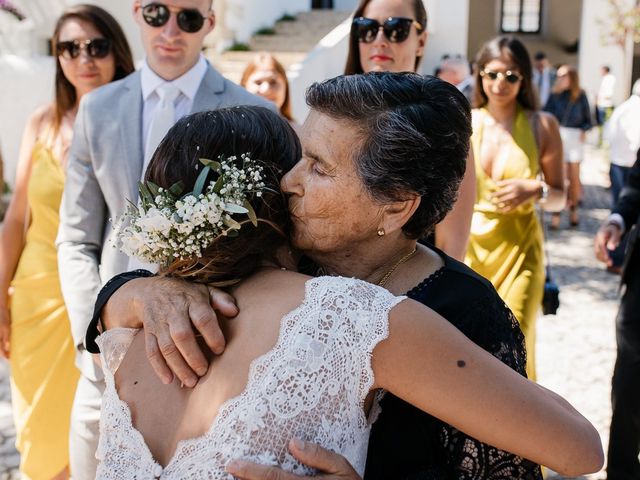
(117,129)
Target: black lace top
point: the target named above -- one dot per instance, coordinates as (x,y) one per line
(409,444)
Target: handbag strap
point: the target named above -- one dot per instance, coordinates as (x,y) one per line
(536,136)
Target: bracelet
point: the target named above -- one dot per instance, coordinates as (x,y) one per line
(544,191)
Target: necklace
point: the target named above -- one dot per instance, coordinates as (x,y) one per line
(385,278)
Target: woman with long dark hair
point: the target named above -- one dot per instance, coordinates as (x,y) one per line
(518,155)
(569,104)
(90,50)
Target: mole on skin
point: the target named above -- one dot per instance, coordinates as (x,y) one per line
(461,363)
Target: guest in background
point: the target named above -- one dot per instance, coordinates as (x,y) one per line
(622,133)
(518,154)
(456,71)
(604,97)
(390,36)
(624,434)
(544,76)
(569,104)
(90,50)
(265,76)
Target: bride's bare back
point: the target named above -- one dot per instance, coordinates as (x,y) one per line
(166,414)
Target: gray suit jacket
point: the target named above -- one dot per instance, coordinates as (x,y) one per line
(105,166)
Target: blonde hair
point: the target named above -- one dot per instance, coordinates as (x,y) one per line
(267,61)
(574,82)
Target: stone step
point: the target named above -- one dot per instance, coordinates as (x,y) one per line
(290,43)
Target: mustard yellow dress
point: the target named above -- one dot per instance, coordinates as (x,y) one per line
(507,248)
(43,374)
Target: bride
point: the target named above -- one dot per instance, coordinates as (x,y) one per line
(306,357)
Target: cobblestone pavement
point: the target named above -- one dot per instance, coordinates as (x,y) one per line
(576,348)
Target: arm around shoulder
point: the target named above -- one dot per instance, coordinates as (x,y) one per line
(430,364)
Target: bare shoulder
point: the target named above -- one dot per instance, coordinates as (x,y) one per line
(280,290)
(41,117)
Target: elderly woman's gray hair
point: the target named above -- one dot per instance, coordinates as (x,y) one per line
(414,136)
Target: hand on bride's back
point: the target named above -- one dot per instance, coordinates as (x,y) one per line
(171,313)
(330,465)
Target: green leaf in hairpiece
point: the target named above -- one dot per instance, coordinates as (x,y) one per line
(251,213)
(197,188)
(153,189)
(176,189)
(215,166)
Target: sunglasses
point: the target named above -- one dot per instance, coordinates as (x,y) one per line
(189,20)
(95,48)
(396,29)
(509,76)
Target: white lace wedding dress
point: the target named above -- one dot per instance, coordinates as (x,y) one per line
(312,385)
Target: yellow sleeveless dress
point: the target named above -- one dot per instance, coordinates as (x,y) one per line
(43,374)
(507,248)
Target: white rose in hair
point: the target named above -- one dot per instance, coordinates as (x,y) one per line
(154,221)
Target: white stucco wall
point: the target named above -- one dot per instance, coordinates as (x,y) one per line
(326,60)
(593,54)
(448,27)
(244,17)
(25,83)
(345,5)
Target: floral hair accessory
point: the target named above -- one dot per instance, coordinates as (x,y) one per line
(168,225)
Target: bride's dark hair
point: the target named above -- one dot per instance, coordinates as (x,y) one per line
(267,138)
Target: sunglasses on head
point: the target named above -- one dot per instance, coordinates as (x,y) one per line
(509,76)
(396,29)
(95,48)
(189,20)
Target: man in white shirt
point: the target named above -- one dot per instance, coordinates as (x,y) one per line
(604,97)
(622,133)
(117,130)
(544,76)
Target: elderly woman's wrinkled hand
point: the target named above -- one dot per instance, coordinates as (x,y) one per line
(171,310)
(331,465)
(514,192)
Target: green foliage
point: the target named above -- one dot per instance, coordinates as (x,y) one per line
(239,47)
(266,31)
(287,18)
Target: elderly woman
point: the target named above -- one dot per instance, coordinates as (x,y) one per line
(390,36)
(358,209)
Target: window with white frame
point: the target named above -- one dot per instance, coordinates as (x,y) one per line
(521,16)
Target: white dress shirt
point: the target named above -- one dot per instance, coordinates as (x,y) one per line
(188,85)
(606,90)
(622,131)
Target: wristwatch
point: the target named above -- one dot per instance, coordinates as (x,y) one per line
(544,191)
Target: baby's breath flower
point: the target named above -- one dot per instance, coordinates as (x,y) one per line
(166,226)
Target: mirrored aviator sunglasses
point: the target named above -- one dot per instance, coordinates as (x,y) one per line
(96,48)
(396,29)
(509,76)
(189,20)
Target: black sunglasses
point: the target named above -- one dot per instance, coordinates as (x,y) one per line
(189,20)
(96,48)
(396,29)
(509,76)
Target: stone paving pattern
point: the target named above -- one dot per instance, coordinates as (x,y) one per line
(576,348)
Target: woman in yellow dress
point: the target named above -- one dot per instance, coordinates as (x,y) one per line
(518,155)
(35,335)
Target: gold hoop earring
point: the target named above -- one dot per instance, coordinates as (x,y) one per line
(381,232)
